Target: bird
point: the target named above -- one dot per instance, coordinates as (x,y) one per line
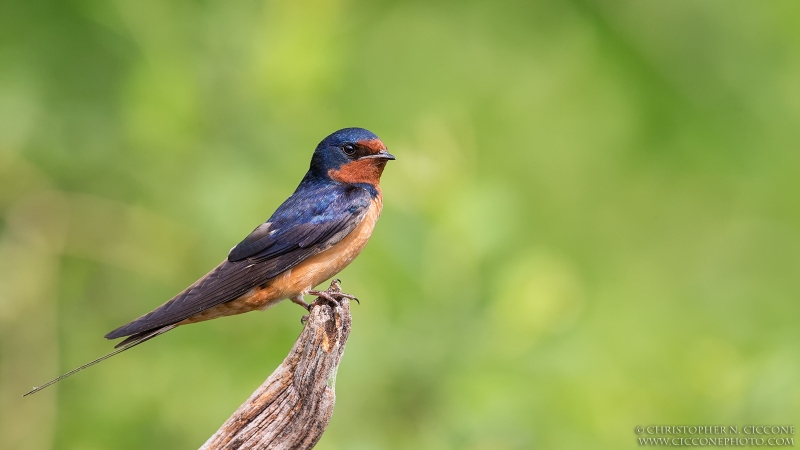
(319,230)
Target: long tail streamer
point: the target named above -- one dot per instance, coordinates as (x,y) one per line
(121,349)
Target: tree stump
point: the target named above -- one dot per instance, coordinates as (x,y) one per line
(294,405)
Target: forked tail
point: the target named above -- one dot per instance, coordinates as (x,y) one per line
(125,345)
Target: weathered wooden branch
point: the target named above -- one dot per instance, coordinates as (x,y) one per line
(293,407)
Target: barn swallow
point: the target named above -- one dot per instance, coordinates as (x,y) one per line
(312,236)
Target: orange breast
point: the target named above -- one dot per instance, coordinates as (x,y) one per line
(302,277)
(325,265)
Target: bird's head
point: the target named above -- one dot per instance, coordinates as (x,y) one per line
(351,155)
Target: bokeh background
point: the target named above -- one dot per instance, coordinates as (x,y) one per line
(592,223)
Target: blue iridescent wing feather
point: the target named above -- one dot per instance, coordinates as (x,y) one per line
(305,219)
(312,220)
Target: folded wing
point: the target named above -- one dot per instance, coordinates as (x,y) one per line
(306,224)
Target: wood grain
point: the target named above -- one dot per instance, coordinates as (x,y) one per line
(294,405)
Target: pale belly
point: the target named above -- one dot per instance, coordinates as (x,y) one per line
(302,277)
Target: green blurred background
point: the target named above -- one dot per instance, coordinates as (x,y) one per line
(592,224)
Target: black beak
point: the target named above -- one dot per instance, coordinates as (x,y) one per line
(383,154)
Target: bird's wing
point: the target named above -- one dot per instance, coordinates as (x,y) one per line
(306,224)
(304,220)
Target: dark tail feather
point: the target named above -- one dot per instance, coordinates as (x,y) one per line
(141,337)
(128,343)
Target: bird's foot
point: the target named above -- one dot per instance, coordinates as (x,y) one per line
(333,294)
(298,299)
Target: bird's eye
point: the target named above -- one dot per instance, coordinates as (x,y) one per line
(349,149)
